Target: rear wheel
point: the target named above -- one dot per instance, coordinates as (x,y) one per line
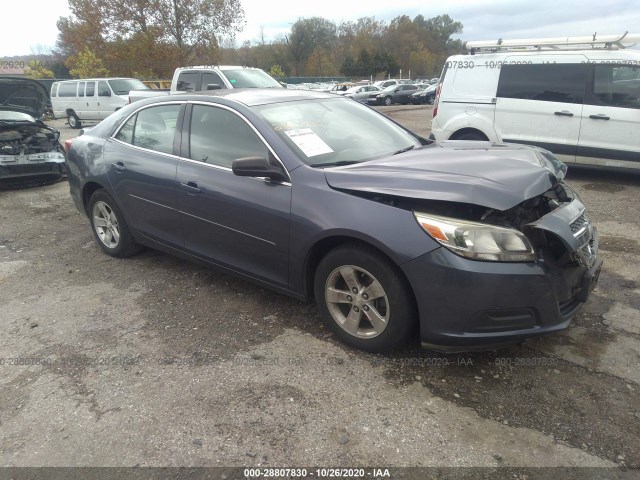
(109,226)
(387,100)
(431,100)
(363,298)
(74,121)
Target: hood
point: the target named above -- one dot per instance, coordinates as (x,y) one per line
(498,176)
(23,95)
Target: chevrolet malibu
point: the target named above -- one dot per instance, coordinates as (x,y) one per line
(465,244)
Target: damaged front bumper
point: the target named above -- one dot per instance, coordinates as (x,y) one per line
(468,304)
(37,166)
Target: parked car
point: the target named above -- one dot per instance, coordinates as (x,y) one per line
(568,95)
(203,78)
(426,95)
(362,93)
(30,150)
(317,196)
(393,94)
(91,99)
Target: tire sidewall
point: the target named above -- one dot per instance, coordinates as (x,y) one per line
(74,121)
(401,303)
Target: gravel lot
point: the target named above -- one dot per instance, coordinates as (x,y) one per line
(154,361)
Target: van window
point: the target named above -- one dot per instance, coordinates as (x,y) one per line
(81,89)
(91,89)
(103,89)
(547,82)
(616,86)
(68,89)
(188,81)
(54,90)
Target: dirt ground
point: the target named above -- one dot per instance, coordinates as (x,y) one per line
(154,361)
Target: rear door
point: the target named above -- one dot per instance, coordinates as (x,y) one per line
(142,164)
(104,100)
(610,130)
(91,100)
(238,222)
(541,103)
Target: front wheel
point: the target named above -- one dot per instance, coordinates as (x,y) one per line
(364,299)
(109,226)
(74,121)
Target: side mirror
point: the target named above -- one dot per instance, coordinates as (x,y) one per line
(257,166)
(214,86)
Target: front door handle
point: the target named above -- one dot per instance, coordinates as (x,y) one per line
(563,113)
(191,188)
(119,166)
(599,117)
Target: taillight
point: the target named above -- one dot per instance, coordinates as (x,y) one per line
(67,145)
(435,104)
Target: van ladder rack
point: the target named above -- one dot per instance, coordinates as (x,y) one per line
(595,41)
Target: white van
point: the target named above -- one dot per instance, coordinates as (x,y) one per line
(578,97)
(91,99)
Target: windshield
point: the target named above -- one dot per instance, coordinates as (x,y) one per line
(390,88)
(251,78)
(123,86)
(325,132)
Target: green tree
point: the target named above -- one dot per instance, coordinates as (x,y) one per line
(36,69)
(276,71)
(86,64)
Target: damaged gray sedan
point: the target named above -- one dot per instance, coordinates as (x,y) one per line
(30,150)
(464,245)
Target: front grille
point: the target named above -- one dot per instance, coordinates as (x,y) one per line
(579,225)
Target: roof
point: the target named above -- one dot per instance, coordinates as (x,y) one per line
(256,96)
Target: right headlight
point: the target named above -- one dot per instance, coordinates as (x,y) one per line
(479,241)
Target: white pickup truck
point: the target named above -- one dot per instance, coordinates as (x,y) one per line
(195,79)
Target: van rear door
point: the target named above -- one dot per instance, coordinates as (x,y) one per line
(540,100)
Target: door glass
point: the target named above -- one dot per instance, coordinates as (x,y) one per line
(219,136)
(548,82)
(67,89)
(617,86)
(91,89)
(81,89)
(209,78)
(125,134)
(187,82)
(103,89)
(152,128)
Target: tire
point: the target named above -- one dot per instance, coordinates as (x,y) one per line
(387,101)
(472,136)
(74,121)
(431,100)
(391,314)
(107,220)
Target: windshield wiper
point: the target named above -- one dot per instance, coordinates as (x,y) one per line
(410,147)
(336,164)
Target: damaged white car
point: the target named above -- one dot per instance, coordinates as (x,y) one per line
(30,150)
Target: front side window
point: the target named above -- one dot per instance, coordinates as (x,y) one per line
(211,78)
(91,89)
(546,82)
(617,86)
(153,128)
(219,136)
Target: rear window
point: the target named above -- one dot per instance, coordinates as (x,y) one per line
(188,82)
(67,89)
(552,82)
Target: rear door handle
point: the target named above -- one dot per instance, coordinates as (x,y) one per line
(599,117)
(564,113)
(119,166)
(191,188)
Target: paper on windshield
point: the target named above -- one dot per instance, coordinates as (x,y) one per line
(307,141)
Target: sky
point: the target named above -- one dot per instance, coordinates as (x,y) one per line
(29,25)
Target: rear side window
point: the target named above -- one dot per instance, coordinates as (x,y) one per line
(91,89)
(67,89)
(81,89)
(546,82)
(152,128)
(188,82)
(616,86)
